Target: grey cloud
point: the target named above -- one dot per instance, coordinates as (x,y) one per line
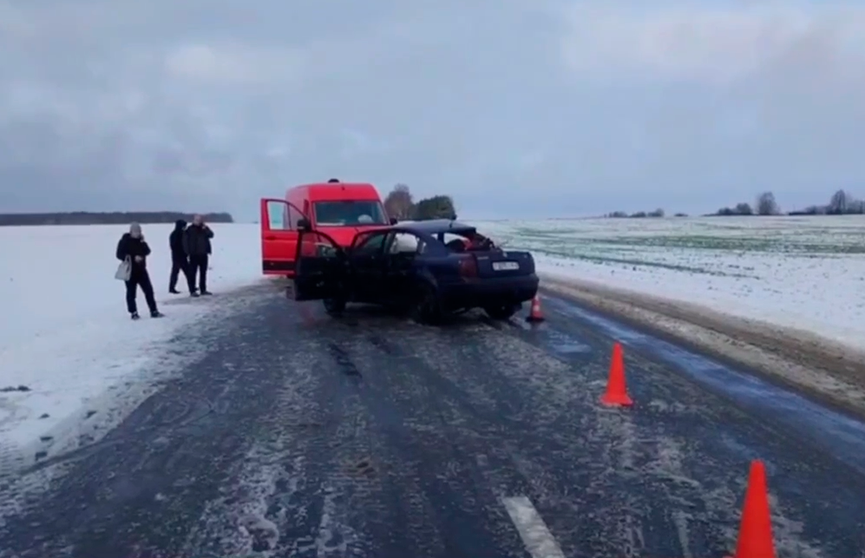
(515,107)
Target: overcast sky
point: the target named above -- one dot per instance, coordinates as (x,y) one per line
(515,107)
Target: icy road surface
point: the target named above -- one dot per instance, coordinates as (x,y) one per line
(297,435)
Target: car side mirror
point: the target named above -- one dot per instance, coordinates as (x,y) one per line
(304,225)
(394,220)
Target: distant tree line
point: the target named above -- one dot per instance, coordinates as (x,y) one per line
(400,204)
(638,215)
(112,218)
(841,203)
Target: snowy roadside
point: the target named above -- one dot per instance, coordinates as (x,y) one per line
(793,272)
(828,370)
(72,364)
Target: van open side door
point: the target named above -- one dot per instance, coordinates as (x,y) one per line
(322,267)
(279,236)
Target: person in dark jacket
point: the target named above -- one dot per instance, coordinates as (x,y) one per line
(133,247)
(179,259)
(196,244)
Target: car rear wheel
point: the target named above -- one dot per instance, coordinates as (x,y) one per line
(501,311)
(334,306)
(427,306)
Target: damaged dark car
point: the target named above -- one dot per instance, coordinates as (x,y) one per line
(429,269)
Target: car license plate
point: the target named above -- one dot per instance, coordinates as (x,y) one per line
(505,266)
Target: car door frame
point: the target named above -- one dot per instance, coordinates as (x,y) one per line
(320,276)
(367,270)
(278,246)
(399,279)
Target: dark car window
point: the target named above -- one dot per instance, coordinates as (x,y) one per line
(372,244)
(348,213)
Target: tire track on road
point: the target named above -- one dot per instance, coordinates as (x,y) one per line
(26,471)
(317,437)
(139,490)
(273,483)
(433,486)
(580,460)
(704,444)
(327,490)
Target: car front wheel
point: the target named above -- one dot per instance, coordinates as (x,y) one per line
(427,306)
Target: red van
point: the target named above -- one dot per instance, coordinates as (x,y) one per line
(339,209)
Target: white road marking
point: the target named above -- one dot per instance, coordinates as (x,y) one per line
(537,538)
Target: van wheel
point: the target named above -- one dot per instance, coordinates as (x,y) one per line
(427,306)
(501,311)
(334,306)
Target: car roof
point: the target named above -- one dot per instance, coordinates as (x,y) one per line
(435,226)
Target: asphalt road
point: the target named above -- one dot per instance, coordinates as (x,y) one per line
(304,436)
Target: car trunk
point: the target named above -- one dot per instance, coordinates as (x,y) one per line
(498,263)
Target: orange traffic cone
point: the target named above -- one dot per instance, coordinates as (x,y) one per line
(755,528)
(617,393)
(535,315)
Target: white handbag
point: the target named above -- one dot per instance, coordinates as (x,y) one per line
(124,270)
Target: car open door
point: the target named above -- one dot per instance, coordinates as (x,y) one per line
(366,258)
(321,270)
(279,236)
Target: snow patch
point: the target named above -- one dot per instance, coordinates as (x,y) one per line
(86,364)
(799,272)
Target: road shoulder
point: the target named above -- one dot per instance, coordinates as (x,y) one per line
(824,370)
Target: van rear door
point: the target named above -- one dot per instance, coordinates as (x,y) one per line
(279,235)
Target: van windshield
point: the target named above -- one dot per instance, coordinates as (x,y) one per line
(350,213)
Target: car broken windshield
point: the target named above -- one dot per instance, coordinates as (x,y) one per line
(465,241)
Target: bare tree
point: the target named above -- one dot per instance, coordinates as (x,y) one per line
(743,209)
(766,204)
(399,203)
(839,204)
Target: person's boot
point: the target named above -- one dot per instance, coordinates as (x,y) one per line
(134,316)
(173,291)
(194,294)
(206,293)
(157,314)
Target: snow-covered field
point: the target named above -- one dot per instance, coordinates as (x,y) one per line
(67,346)
(801,272)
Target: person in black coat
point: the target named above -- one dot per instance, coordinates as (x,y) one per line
(133,247)
(196,244)
(179,259)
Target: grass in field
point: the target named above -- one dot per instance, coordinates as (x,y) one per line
(847,240)
(740,244)
(714,249)
(634,262)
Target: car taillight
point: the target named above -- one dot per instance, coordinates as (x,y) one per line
(468,267)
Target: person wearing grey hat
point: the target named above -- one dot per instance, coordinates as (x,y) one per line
(134,249)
